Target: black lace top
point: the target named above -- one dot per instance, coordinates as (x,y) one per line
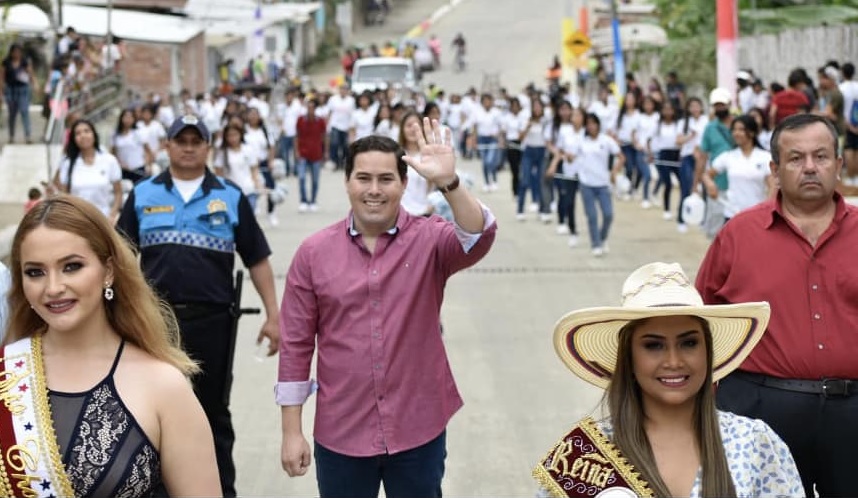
(104,450)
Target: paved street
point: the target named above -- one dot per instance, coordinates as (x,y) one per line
(499,316)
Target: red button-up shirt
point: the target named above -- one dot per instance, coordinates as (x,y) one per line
(384,382)
(813,291)
(311,138)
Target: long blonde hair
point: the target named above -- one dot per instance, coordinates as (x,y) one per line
(135,312)
(625,405)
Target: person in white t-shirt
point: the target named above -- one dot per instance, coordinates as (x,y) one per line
(665,148)
(485,127)
(383,123)
(415,200)
(340,108)
(236,161)
(288,114)
(690,134)
(90,173)
(153,133)
(595,178)
(130,148)
(606,108)
(849,89)
(624,132)
(747,168)
(455,121)
(513,125)
(566,138)
(647,124)
(111,55)
(363,118)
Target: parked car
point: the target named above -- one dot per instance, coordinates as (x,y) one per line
(378,73)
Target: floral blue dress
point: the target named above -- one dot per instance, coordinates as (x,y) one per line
(759,460)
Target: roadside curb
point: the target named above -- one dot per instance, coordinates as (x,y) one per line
(424,26)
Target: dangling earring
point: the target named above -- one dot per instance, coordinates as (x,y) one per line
(108,292)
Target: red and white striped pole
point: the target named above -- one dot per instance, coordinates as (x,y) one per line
(728,49)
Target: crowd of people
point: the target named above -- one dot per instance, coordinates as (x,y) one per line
(202,169)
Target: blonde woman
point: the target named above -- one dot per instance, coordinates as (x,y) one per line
(92,357)
(657,357)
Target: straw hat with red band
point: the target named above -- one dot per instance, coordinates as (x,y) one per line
(586,340)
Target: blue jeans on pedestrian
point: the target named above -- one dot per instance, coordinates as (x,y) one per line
(18,102)
(631,155)
(314,167)
(285,148)
(268,178)
(644,174)
(531,171)
(489,151)
(602,196)
(686,178)
(339,145)
(412,473)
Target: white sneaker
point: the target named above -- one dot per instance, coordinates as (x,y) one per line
(272,220)
(605,248)
(303,207)
(521,217)
(598,252)
(562,229)
(646,204)
(314,208)
(682,228)
(487,188)
(553,207)
(625,197)
(573,241)
(667,216)
(545,217)
(534,207)
(493,187)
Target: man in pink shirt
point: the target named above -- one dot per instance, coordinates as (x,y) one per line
(367,291)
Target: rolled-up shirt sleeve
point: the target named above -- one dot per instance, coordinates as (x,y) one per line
(469,240)
(298,328)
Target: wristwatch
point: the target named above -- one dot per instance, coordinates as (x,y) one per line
(451,187)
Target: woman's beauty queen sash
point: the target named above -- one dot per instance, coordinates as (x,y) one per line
(584,463)
(30,463)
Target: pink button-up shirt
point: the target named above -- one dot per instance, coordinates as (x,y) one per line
(384,382)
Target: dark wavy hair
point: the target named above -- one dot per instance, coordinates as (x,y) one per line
(72,150)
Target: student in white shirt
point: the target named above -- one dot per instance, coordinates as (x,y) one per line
(606,108)
(415,200)
(340,108)
(362,118)
(383,123)
(256,136)
(152,132)
(129,147)
(89,173)
(747,168)
(595,178)
(689,140)
(566,138)
(624,133)
(455,120)
(665,147)
(512,126)
(486,134)
(236,161)
(646,128)
(288,114)
(849,89)
(534,137)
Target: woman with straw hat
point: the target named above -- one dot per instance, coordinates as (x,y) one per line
(657,356)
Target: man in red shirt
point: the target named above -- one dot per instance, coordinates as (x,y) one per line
(797,253)
(311,146)
(791,101)
(367,293)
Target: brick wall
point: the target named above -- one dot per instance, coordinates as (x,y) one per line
(149,66)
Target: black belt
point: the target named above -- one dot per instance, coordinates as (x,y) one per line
(830,388)
(194,311)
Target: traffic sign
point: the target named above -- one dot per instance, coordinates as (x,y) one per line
(577,43)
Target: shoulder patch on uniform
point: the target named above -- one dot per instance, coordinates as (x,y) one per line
(216,205)
(158,209)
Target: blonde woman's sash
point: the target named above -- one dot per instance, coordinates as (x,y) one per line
(584,463)
(30,462)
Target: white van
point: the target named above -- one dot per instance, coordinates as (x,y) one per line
(377,73)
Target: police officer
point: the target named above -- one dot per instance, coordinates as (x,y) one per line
(187,224)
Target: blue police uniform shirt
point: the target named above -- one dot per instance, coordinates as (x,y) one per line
(187,248)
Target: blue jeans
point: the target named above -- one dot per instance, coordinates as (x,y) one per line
(531,171)
(686,178)
(488,147)
(602,195)
(339,145)
(18,102)
(412,473)
(285,148)
(643,176)
(314,167)
(631,162)
(268,178)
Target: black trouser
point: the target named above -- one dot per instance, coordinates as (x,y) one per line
(821,432)
(568,197)
(513,155)
(207,338)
